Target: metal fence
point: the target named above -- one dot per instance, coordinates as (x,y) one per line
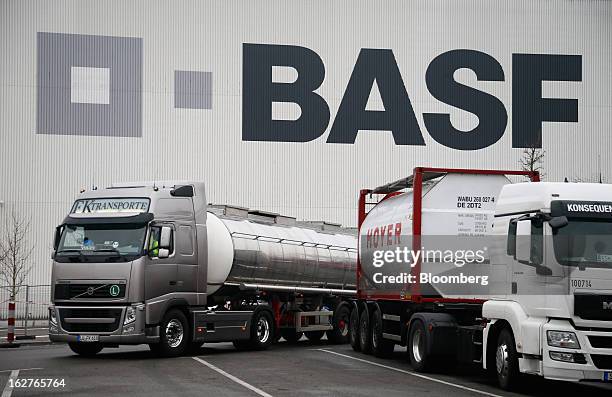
(31,303)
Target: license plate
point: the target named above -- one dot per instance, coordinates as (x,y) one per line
(88,338)
(607,376)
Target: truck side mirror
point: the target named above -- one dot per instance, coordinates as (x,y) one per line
(163,253)
(558,222)
(165,238)
(57,236)
(523,241)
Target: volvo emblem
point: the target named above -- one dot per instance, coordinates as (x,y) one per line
(90,290)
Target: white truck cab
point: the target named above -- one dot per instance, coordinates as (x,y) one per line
(558,259)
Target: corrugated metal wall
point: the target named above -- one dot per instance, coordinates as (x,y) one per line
(42,171)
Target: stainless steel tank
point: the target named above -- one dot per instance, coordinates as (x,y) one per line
(258,248)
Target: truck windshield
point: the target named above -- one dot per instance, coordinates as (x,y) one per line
(584,242)
(115,240)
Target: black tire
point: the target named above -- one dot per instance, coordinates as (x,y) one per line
(173,335)
(354,329)
(381,347)
(341,320)
(506,361)
(86,349)
(262,330)
(417,347)
(290,335)
(314,336)
(365,332)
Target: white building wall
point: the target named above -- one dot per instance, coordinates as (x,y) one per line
(40,174)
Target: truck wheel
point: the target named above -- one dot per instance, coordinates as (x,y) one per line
(381,347)
(365,332)
(314,336)
(174,334)
(354,329)
(290,335)
(85,349)
(417,347)
(506,360)
(341,320)
(262,330)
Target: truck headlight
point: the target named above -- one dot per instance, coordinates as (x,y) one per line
(564,339)
(130,315)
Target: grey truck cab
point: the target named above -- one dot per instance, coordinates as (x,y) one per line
(124,256)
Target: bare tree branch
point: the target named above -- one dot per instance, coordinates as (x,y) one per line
(15,253)
(532,159)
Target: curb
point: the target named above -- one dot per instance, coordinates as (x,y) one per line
(6,345)
(41,342)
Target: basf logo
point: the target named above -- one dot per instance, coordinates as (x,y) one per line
(379,66)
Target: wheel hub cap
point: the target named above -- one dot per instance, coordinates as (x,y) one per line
(417,345)
(343,328)
(501,359)
(174,333)
(263,330)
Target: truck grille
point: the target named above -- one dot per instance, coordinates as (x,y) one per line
(602,361)
(600,342)
(90,320)
(593,307)
(85,291)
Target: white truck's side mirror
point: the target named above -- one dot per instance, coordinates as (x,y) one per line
(165,238)
(523,241)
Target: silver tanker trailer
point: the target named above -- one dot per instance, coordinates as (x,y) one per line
(154,263)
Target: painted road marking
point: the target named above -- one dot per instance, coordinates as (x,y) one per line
(21,369)
(412,374)
(8,389)
(231,377)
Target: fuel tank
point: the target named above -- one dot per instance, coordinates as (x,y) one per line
(263,248)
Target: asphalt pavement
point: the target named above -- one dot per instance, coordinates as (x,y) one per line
(304,369)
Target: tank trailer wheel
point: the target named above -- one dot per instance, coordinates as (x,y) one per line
(354,330)
(341,320)
(380,347)
(365,332)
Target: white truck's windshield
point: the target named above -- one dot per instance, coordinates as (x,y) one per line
(584,242)
(99,239)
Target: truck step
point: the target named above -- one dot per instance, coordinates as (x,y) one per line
(396,338)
